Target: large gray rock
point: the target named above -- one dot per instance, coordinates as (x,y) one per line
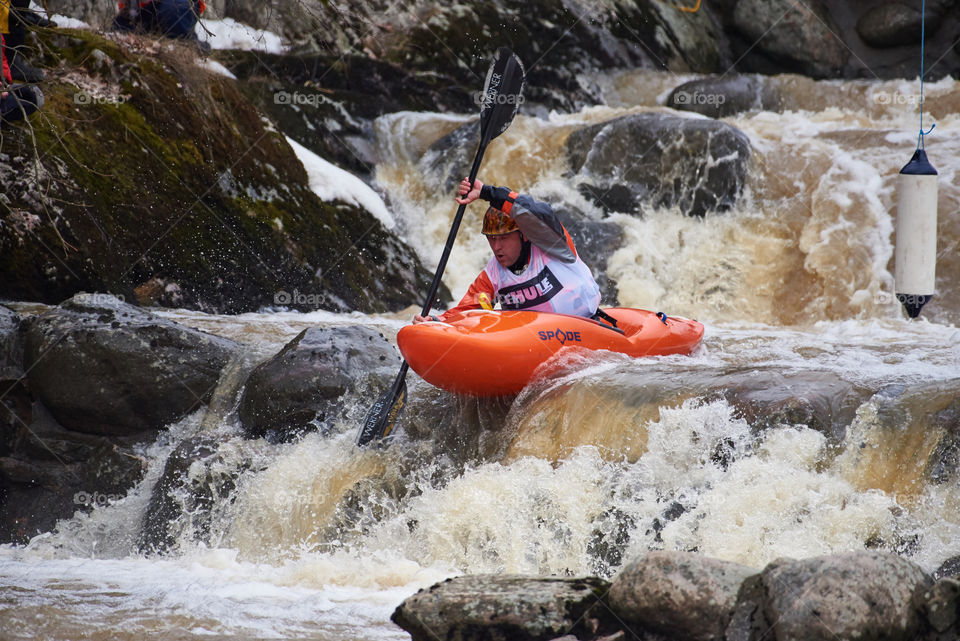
(798,37)
(768,398)
(11,349)
(660,160)
(942,605)
(14,397)
(49,472)
(721,96)
(858,595)
(102,366)
(508,608)
(894,24)
(224,220)
(310,381)
(685,595)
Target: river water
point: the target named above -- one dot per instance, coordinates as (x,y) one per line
(814,418)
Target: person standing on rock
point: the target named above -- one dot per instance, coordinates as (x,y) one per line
(16,101)
(15,15)
(535,266)
(170,18)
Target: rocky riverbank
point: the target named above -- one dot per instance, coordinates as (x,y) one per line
(678,596)
(91,383)
(820,38)
(149,176)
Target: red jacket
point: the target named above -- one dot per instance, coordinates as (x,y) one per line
(6,68)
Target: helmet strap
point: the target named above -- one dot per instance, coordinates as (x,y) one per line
(524,258)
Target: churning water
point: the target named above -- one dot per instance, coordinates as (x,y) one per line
(814,418)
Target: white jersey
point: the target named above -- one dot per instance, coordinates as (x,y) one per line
(554,278)
(546,285)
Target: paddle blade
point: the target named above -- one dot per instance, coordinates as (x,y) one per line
(502,94)
(383,416)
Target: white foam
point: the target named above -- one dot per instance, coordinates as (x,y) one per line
(330,182)
(203,594)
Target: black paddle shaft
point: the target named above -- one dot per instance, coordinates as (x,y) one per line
(502,96)
(451,237)
(387,409)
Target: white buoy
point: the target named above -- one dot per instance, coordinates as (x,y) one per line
(915,248)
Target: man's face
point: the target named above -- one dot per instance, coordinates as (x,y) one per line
(506,247)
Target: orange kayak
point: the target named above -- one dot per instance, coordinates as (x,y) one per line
(495,353)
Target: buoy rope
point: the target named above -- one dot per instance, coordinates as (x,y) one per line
(923,28)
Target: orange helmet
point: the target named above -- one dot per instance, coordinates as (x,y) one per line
(497,223)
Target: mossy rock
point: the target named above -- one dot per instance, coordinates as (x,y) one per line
(150,177)
(328,103)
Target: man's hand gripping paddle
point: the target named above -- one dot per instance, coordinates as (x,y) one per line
(502,95)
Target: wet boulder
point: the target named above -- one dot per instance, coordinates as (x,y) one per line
(507,607)
(660,160)
(857,595)
(102,366)
(894,24)
(445,161)
(14,397)
(196,478)
(338,123)
(722,96)
(11,349)
(314,378)
(942,607)
(684,595)
(49,473)
(819,400)
(784,36)
(221,216)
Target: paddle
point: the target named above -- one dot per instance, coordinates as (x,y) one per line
(502,93)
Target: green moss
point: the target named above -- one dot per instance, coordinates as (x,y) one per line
(154,169)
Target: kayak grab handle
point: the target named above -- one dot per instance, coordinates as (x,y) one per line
(662,317)
(601,315)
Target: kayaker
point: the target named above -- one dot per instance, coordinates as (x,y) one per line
(535,265)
